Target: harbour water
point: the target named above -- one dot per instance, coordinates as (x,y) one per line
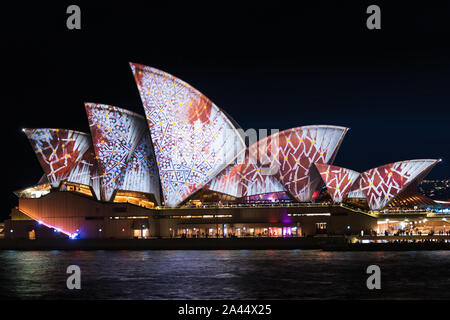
(224,274)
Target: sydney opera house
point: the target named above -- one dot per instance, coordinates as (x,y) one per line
(186,169)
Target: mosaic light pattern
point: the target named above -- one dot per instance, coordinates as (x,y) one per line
(142,173)
(337,180)
(63,154)
(290,153)
(192,138)
(115,135)
(380,185)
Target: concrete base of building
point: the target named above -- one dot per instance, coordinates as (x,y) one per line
(66,213)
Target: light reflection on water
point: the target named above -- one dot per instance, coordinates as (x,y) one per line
(224,274)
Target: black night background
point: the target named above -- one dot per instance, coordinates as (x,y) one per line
(268,65)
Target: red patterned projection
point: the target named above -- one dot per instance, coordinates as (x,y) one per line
(115,134)
(63,154)
(356,189)
(337,180)
(290,154)
(192,138)
(299,149)
(245,178)
(85,171)
(380,185)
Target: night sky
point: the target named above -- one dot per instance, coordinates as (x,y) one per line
(268,66)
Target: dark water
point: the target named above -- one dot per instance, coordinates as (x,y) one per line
(224,274)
